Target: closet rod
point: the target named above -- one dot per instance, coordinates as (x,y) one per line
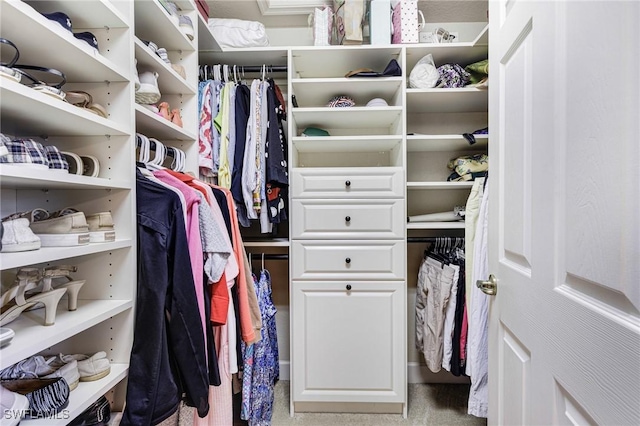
(258,68)
(259,256)
(426,239)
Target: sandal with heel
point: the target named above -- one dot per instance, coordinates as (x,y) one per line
(14,301)
(51,273)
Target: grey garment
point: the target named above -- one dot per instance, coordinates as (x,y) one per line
(215,109)
(216,249)
(433,291)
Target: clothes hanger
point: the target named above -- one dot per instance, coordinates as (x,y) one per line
(262,262)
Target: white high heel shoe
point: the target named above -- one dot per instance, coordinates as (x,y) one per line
(73,287)
(14,301)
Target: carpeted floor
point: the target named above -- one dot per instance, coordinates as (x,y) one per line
(429,404)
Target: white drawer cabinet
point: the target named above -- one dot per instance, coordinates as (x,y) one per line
(348,182)
(347,219)
(348,341)
(330,260)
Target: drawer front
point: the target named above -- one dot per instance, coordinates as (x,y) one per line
(370,260)
(335,219)
(348,183)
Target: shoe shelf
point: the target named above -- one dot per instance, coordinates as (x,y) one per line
(86,13)
(52,254)
(47,44)
(23,107)
(154,126)
(347,118)
(153,23)
(33,337)
(83,396)
(434,143)
(438,185)
(436,225)
(464,99)
(169,81)
(316,92)
(17,177)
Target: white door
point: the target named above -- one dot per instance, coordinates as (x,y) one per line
(564,245)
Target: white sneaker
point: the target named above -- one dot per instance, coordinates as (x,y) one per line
(91,368)
(17,236)
(149,93)
(14,406)
(68,371)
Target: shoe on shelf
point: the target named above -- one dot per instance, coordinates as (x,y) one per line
(58,277)
(97,414)
(14,406)
(17,236)
(165,111)
(57,160)
(23,152)
(162,53)
(47,397)
(15,300)
(64,228)
(101,227)
(180,70)
(176,118)
(136,79)
(149,93)
(90,368)
(39,367)
(186,26)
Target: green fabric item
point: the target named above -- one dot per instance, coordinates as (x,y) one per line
(314,131)
(478,70)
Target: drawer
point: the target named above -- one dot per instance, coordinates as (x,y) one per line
(336,219)
(336,182)
(369,260)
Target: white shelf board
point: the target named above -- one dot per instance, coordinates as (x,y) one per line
(49,45)
(153,24)
(52,254)
(442,143)
(155,126)
(435,225)
(206,40)
(33,337)
(29,110)
(17,177)
(337,61)
(347,118)
(245,57)
(464,99)
(83,396)
(86,13)
(169,81)
(447,53)
(317,91)
(438,185)
(346,143)
(268,243)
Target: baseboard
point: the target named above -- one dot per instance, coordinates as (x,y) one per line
(285,370)
(418,373)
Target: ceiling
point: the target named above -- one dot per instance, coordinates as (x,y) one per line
(434,11)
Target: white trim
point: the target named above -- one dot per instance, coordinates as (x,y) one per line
(290,7)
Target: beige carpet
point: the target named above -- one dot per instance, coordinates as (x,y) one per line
(428,405)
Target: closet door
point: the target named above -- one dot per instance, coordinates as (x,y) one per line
(348,341)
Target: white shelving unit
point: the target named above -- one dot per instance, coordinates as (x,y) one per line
(153,23)
(103,320)
(347,233)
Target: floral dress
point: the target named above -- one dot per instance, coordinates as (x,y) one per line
(261,364)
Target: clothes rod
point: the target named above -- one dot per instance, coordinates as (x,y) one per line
(258,68)
(426,239)
(259,256)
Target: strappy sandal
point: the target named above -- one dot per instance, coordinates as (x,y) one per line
(61,272)
(176,118)
(51,89)
(164,110)
(6,68)
(85,101)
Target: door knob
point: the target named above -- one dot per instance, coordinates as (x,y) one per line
(347,219)
(348,183)
(489,287)
(348,286)
(348,260)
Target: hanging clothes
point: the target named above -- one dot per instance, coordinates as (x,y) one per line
(261,361)
(167,328)
(478,318)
